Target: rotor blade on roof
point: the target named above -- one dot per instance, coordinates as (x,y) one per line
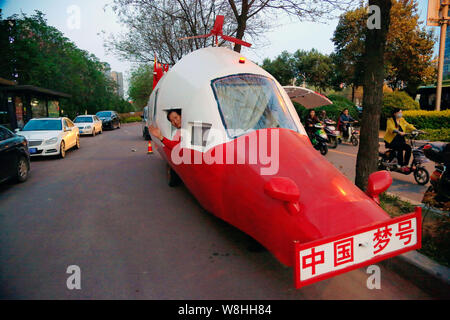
(237,41)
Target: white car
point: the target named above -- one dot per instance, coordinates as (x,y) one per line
(88,124)
(50,136)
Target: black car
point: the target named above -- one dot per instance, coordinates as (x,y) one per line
(14,156)
(110,119)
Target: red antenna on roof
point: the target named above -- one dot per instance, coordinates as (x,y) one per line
(217,31)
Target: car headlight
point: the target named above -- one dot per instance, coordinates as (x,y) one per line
(52,140)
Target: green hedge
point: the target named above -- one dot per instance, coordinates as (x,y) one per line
(436,135)
(428,119)
(333,111)
(131,119)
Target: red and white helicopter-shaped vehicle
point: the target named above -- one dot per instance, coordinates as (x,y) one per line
(247,159)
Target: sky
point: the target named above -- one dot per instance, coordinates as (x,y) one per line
(94,17)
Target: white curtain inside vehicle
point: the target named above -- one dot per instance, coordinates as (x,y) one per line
(250,102)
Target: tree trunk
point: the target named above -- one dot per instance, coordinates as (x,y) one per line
(242,24)
(373,80)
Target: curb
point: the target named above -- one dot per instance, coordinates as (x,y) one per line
(425,273)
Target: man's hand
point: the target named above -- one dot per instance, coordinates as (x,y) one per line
(154,131)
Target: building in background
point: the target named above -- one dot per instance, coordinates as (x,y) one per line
(118,78)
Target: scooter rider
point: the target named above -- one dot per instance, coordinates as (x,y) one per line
(344,120)
(396,129)
(311,120)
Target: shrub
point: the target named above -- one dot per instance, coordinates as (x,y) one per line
(396,99)
(131,119)
(428,119)
(436,135)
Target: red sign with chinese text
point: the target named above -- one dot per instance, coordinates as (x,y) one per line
(325,258)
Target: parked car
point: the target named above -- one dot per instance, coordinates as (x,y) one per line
(14,156)
(50,136)
(88,124)
(110,119)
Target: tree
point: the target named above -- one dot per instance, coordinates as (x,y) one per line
(247,10)
(409,48)
(314,67)
(40,55)
(154,26)
(373,80)
(282,68)
(141,85)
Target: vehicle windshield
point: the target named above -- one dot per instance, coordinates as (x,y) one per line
(250,102)
(43,125)
(103,114)
(83,119)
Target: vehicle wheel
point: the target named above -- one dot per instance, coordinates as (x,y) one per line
(323,149)
(380,165)
(421,176)
(77,144)
(62,150)
(93,132)
(22,169)
(354,141)
(333,143)
(172,178)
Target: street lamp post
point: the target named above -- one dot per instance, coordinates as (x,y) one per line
(438,16)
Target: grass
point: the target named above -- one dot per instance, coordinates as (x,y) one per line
(435,228)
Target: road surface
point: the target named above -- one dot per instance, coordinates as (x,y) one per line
(107,209)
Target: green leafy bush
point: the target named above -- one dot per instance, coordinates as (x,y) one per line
(428,119)
(396,99)
(436,135)
(131,119)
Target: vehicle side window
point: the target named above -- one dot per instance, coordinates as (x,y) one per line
(96,118)
(70,123)
(199,134)
(66,125)
(156,103)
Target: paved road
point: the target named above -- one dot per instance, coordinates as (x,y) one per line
(109,211)
(344,158)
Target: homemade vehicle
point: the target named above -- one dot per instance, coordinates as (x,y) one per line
(245,156)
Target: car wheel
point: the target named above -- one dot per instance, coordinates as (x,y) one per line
(173,179)
(62,150)
(22,169)
(77,144)
(93,132)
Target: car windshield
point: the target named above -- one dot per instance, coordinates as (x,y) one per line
(43,125)
(250,102)
(103,114)
(83,119)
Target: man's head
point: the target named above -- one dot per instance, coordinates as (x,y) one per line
(345,111)
(312,113)
(174,116)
